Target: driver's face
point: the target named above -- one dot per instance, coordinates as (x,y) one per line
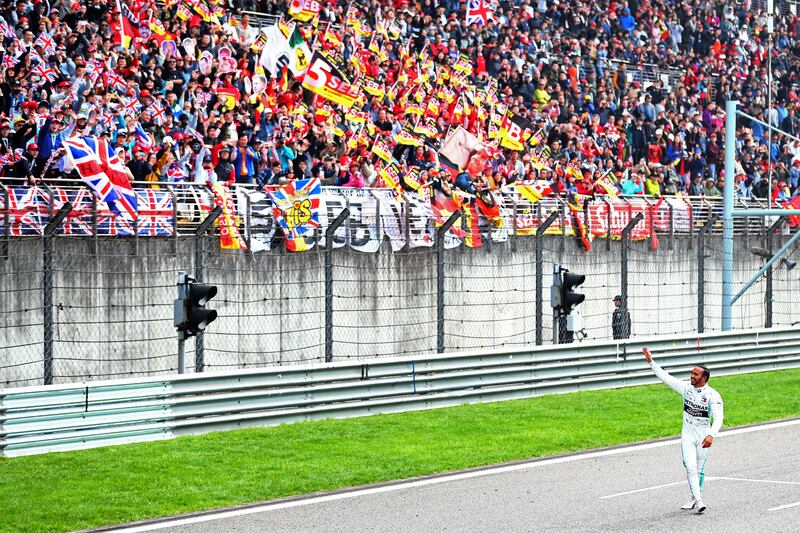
(697,376)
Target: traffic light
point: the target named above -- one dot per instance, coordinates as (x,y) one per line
(555,289)
(190,314)
(569,298)
(564,300)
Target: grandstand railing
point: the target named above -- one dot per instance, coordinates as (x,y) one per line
(100,413)
(186,204)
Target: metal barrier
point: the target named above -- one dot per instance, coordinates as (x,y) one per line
(69,417)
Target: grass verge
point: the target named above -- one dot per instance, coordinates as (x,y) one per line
(74,490)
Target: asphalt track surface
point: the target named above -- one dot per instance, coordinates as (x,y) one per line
(752,484)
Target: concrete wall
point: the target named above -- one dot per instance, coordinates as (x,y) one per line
(113,301)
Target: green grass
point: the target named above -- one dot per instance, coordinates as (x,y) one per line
(73,490)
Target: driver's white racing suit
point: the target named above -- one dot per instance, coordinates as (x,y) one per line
(700,405)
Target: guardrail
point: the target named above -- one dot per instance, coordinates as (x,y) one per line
(69,417)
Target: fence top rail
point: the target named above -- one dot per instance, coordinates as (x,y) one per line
(663,342)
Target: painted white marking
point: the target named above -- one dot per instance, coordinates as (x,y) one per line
(682,482)
(795,504)
(708,478)
(432,481)
(758,480)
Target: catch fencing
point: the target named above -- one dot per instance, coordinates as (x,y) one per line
(90,298)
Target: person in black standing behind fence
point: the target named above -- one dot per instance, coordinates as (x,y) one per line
(620,320)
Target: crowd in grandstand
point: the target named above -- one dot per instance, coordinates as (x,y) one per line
(180,90)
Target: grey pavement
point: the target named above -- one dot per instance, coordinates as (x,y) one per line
(750,473)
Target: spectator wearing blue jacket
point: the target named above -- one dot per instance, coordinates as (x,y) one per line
(627,22)
(244,159)
(285,154)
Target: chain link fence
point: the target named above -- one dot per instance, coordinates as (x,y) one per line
(76,308)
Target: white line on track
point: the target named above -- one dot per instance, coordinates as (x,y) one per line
(778,508)
(665,485)
(757,480)
(708,478)
(446,478)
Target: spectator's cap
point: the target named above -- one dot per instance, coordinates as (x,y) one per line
(698,150)
(178,136)
(81,116)
(782,184)
(76,6)
(57,119)
(225,149)
(268,110)
(796,162)
(43,103)
(33,146)
(144,92)
(207,159)
(122,131)
(168,140)
(4,124)
(617,298)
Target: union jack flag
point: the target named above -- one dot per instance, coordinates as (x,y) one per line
(480,12)
(94,69)
(28,211)
(156,215)
(132,105)
(114,81)
(46,41)
(157,111)
(6,29)
(107,120)
(288,201)
(203,98)
(9,61)
(110,223)
(35,56)
(143,139)
(118,174)
(46,73)
(79,219)
(103,172)
(175,174)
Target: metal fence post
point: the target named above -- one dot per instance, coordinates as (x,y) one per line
(609,232)
(407,225)
(539,274)
(440,232)
(6,222)
(626,231)
(768,286)
(514,223)
(701,273)
(199,274)
(334,225)
(47,288)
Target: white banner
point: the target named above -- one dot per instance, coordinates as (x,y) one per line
(259,226)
